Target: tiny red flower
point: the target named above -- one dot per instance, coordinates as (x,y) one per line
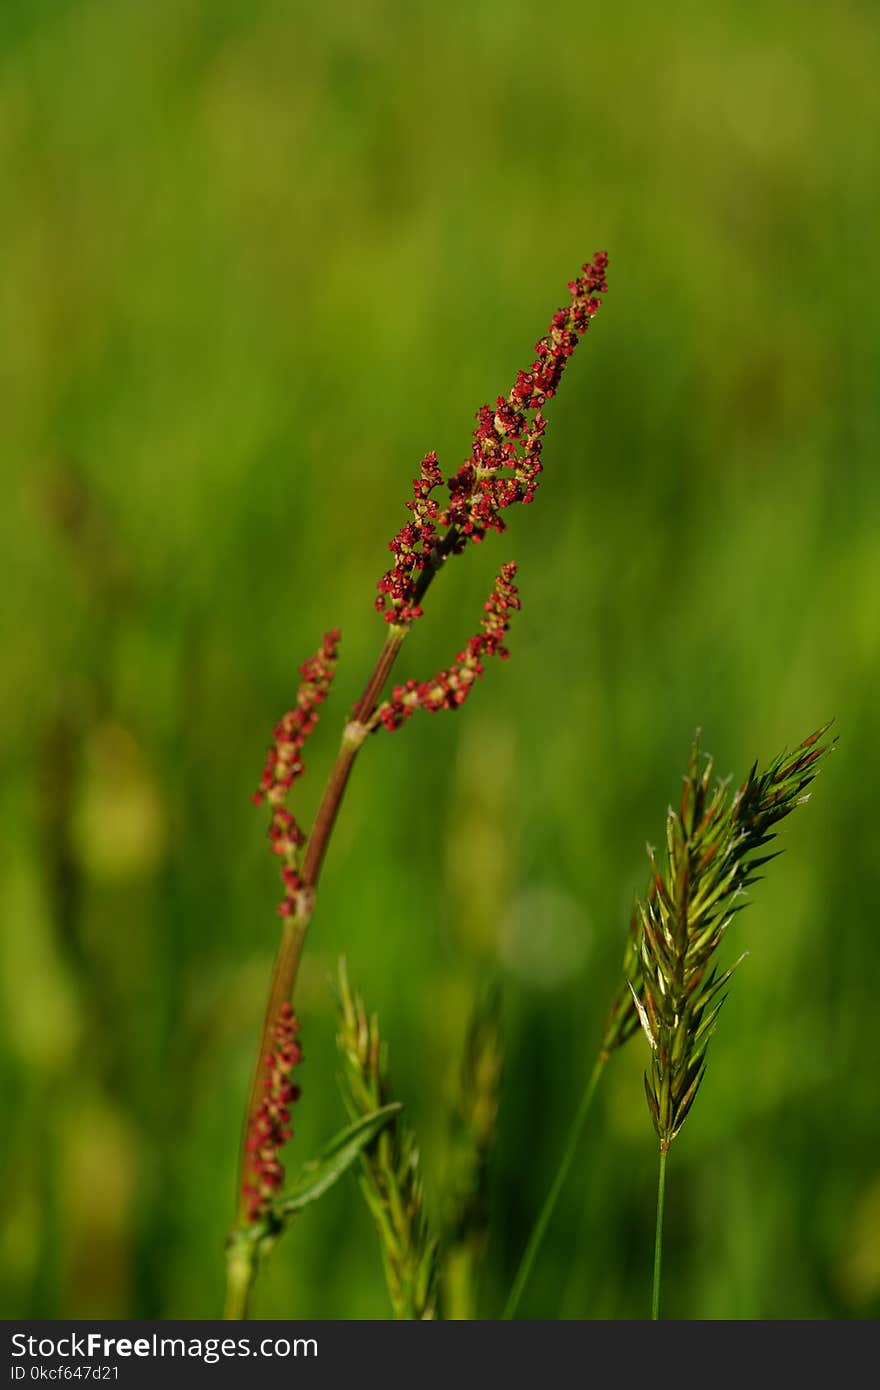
(412,547)
(504,464)
(270,1127)
(450,688)
(284,764)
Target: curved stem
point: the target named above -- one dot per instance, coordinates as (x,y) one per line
(658,1237)
(240,1272)
(543,1221)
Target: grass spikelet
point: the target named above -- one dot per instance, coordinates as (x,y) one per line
(391,1178)
(669,987)
(714,844)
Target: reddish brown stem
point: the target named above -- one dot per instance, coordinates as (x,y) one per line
(381,671)
(286,967)
(355,732)
(290,946)
(352,738)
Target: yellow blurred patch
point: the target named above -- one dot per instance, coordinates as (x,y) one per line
(860,1266)
(119,826)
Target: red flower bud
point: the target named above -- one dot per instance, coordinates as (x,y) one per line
(504,464)
(270,1128)
(449,689)
(284,765)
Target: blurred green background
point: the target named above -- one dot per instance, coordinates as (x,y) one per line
(257,259)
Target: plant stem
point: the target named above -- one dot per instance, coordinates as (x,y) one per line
(353,736)
(459,1292)
(543,1221)
(240,1274)
(658,1238)
(293,934)
(356,731)
(290,946)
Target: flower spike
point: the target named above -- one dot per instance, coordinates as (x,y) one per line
(504,464)
(270,1127)
(284,764)
(450,688)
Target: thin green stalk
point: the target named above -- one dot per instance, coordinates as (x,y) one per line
(543,1221)
(658,1238)
(240,1275)
(473,1129)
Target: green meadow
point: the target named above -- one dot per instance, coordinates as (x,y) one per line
(257,259)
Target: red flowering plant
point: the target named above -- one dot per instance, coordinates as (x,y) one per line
(503,469)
